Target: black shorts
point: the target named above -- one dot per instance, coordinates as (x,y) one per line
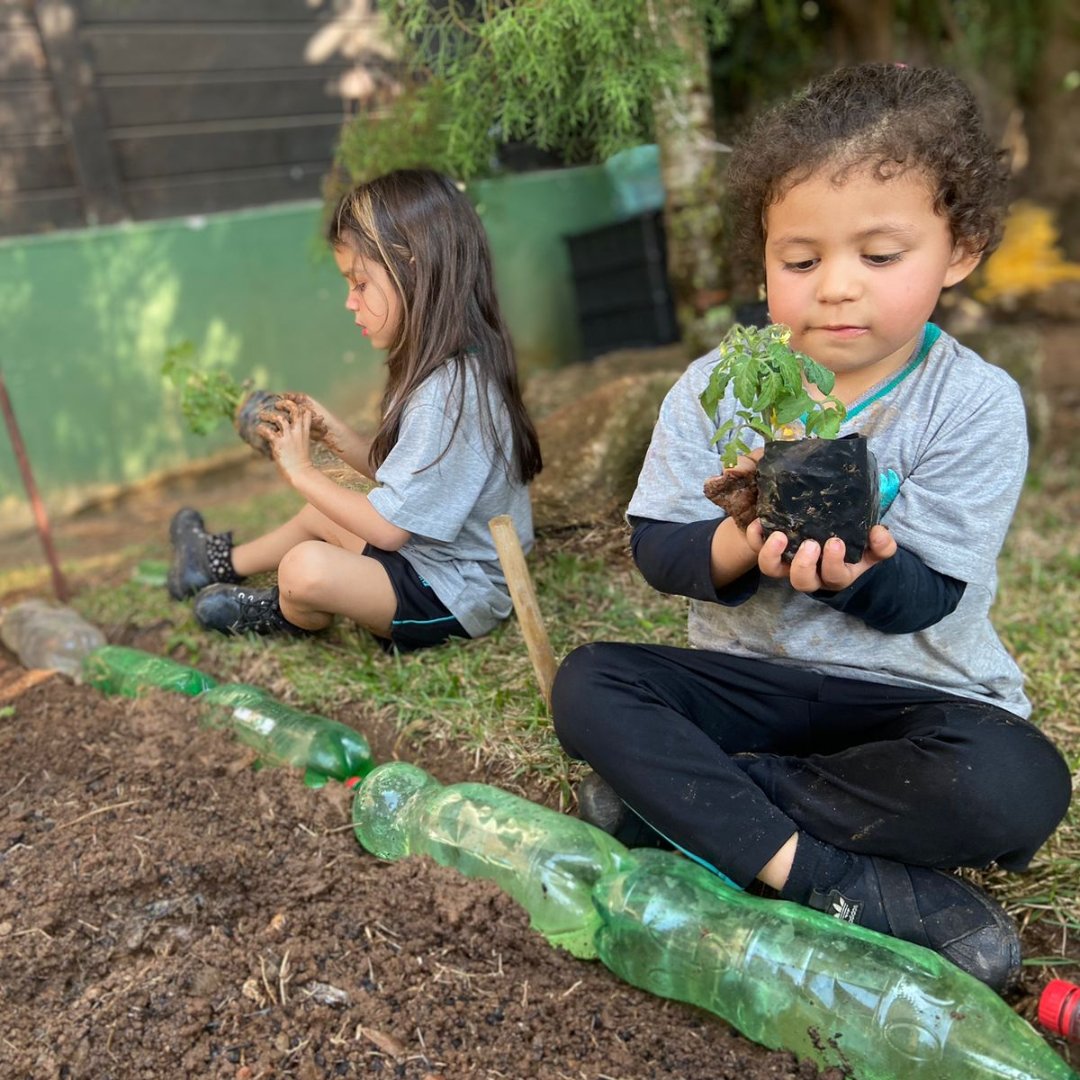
(421,618)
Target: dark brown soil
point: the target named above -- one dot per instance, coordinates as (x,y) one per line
(165,911)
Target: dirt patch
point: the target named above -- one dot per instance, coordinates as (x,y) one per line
(216,922)
(166,911)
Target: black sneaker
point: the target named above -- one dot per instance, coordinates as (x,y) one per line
(231,609)
(937,910)
(199,558)
(599,805)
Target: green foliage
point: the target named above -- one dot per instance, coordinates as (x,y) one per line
(206,397)
(575,77)
(775,46)
(769,380)
(373,144)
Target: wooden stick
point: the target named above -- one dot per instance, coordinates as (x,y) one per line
(512,559)
(40,517)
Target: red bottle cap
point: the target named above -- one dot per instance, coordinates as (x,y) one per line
(1058,1006)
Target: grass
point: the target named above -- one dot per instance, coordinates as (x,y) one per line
(1038,601)
(481,698)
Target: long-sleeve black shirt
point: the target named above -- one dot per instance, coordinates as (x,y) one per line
(898,596)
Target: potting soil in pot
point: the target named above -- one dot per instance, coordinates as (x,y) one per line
(815,489)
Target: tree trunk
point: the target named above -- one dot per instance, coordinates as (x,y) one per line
(691,172)
(1053,120)
(865,30)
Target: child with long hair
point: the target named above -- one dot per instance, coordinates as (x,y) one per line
(413,561)
(842,733)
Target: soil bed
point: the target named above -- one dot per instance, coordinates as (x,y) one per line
(167,911)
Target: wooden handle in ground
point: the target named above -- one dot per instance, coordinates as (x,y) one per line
(512,559)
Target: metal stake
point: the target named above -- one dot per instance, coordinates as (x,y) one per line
(59,585)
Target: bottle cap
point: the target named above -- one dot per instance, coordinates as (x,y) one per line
(1058,1006)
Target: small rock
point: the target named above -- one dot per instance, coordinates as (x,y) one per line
(593,448)
(325,994)
(252,992)
(386,1043)
(5,929)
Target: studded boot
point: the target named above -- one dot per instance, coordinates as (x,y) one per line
(199,558)
(235,609)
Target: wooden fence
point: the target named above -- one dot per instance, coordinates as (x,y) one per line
(132,109)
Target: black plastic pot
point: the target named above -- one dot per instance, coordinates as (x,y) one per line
(814,489)
(247,419)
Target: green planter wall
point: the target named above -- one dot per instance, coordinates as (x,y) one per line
(87,316)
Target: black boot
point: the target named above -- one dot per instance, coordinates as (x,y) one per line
(199,558)
(235,610)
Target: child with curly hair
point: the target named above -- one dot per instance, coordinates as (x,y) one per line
(842,732)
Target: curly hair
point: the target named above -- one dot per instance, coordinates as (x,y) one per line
(886,118)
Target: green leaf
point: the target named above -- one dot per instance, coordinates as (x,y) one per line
(722,431)
(730,456)
(791,373)
(824,423)
(206,397)
(821,377)
(792,409)
(746,383)
(714,392)
(768,392)
(762,429)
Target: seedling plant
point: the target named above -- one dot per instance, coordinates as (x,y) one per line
(769,380)
(813,487)
(206,397)
(209,396)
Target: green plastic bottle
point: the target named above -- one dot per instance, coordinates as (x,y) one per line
(154,572)
(131,672)
(324,749)
(546,861)
(792,978)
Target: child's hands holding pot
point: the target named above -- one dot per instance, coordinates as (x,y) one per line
(287,431)
(325,426)
(811,568)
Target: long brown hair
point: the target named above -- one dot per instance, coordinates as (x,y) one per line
(422,230)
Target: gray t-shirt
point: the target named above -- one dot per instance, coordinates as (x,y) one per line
(952,429)
(447,507)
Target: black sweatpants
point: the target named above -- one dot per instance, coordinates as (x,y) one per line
(727,757)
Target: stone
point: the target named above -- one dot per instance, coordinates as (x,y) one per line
(546,391)
(593,449)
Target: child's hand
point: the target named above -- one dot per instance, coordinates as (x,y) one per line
(325,426)
(288,432)
(811,569)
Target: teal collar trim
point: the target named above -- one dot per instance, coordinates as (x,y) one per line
(930,335)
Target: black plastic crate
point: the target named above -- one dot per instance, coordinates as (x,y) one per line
(621,285)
